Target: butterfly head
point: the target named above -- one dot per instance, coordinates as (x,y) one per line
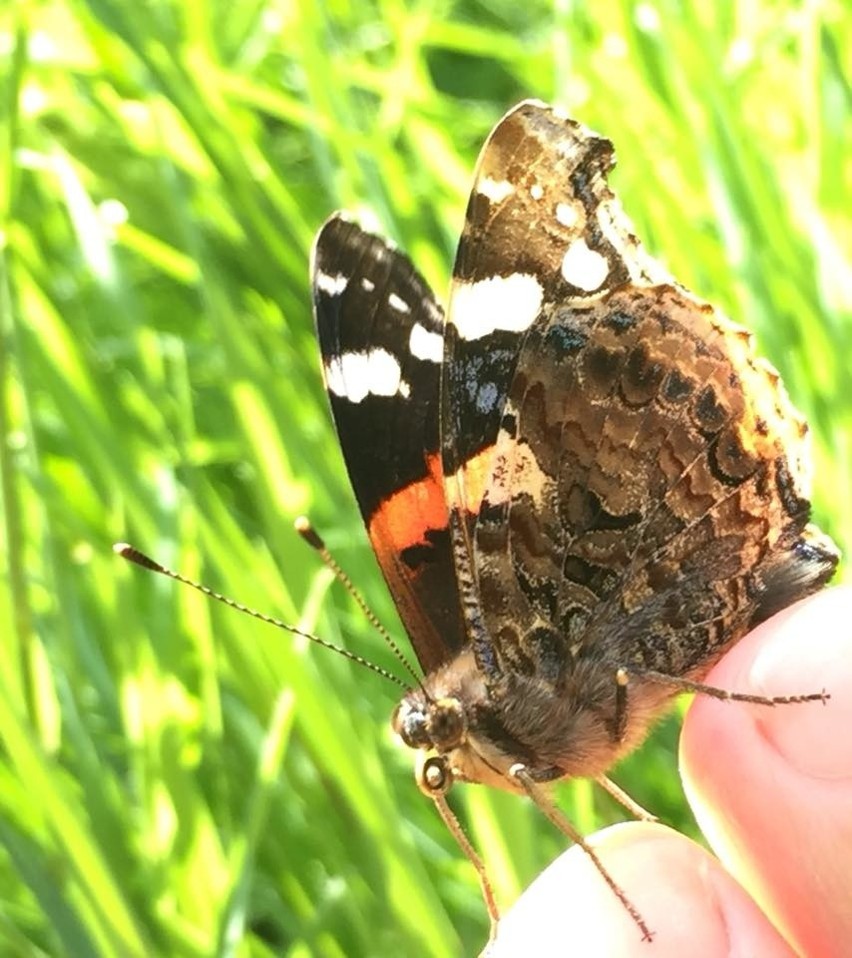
(443,721)
(430,724)
(435,729)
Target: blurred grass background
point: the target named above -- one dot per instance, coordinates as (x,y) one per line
(177,779)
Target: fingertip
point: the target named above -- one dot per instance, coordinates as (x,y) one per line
(690,904)
(771,787)
(805,650)
(809,649)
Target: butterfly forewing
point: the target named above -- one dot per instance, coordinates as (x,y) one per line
(541,230)
(381,338)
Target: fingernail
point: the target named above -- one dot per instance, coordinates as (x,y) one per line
(810,651)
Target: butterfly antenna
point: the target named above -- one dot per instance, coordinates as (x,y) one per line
(146,562)
(311,536)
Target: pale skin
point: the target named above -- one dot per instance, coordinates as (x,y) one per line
(771,789)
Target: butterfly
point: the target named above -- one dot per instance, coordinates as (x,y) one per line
(581,484)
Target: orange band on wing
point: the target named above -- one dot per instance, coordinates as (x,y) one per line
(404,518)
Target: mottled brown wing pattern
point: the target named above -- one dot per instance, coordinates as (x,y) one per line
(639,511)
(648,494)
(542,231)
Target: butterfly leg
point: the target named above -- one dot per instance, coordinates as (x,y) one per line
(522,775)
(455,829)
(623,799)
(618,729)
(619,722)
(686,685)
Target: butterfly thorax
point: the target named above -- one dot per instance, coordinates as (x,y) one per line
(481,731)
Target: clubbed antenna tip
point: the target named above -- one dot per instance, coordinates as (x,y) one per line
(308,533)
(132,554)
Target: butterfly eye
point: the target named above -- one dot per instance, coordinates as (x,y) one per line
(435,776)
(446,724)
(411,726)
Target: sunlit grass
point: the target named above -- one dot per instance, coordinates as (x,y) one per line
(180,780)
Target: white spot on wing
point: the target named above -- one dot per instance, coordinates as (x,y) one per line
(398,303)
(495,190)
(536,191)
(356,375)
(583,267)
(426,345)
(567,214)
(367,284)
(333,285)
(509,303)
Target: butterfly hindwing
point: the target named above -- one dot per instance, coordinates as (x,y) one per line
(381,337)
(645,486)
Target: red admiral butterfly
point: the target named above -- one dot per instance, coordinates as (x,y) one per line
(581,485)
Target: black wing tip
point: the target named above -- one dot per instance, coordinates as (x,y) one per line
(343,226)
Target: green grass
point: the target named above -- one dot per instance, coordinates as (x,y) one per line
(177,779)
